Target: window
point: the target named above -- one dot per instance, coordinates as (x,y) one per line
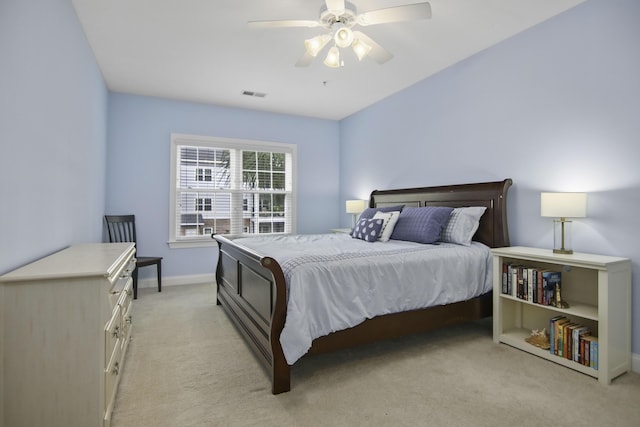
(203,174)
(203,204)
(229,186)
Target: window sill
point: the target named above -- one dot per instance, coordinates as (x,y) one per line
(181,244)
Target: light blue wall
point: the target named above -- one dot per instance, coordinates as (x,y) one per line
(556,108)
(138,160)
(53,107)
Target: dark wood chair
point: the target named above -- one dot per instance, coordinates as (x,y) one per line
(122,228)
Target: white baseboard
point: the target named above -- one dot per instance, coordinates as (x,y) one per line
(178,280)
(635,362)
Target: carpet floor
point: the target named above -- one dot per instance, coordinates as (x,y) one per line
(188,366)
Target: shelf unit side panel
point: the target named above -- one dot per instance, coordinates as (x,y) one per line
(615,312)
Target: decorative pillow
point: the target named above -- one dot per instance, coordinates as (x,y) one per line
(421,225)
(463,224)
(368,229)
(390,219)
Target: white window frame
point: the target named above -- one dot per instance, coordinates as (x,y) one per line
(204,173)
(235,145)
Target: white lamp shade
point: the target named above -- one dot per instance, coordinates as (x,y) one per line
(356,206)
(563,205)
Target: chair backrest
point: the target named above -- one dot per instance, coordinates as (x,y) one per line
(121,228)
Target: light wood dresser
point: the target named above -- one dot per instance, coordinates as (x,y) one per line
(66,324)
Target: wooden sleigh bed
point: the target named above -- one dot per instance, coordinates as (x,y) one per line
(251,287)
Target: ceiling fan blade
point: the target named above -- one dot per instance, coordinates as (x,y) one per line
(284,23)
(305,60)
(335,6)
(409,12)
(377,52)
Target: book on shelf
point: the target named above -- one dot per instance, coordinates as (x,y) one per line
(526,272)
(552,333)
(551,279)
(558,325)
(593,353)
(563,338)
(509,279)
(586,359)
(505,279)
(578,336)
(521,282)
(568,342)
(539,287)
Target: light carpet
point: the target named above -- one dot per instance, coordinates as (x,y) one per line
(188,366)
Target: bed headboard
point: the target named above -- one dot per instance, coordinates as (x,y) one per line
(493,230)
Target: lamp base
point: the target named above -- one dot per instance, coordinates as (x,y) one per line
(563,251)
(562,236)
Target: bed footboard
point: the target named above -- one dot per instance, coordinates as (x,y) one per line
(252,290)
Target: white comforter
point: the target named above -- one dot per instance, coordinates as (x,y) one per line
(336,282)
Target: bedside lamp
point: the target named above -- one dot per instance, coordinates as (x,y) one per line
(355,207)
(563,206)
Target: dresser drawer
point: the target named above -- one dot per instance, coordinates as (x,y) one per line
(112,334)
(126,304)
(111,379)
(122,280)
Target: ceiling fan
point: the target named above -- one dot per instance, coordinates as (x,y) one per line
(340,17)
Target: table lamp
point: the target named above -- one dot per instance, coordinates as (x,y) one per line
(356,207)
(563,206)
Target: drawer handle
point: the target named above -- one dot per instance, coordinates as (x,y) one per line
(116,369)
(116,331)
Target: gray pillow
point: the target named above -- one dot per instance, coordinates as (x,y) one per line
(463,224)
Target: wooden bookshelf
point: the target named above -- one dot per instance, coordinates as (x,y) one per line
(598,291)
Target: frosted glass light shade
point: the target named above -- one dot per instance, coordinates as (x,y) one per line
(315,45)
(333,58)
(360,48)
(343,37)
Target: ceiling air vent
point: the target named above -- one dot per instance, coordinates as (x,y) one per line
(256,94)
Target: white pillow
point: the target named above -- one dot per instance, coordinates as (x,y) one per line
(463,224)
(390,219)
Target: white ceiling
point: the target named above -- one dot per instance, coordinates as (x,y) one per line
(203,50)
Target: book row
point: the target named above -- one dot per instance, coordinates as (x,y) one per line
(573,341)
(535,285)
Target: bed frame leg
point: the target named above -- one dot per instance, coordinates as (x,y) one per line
(281,381)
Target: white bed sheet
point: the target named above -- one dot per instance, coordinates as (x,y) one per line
(335,282)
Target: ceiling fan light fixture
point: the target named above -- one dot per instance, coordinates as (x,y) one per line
(343,36)
(315,44)
(361,48)
(333,58)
